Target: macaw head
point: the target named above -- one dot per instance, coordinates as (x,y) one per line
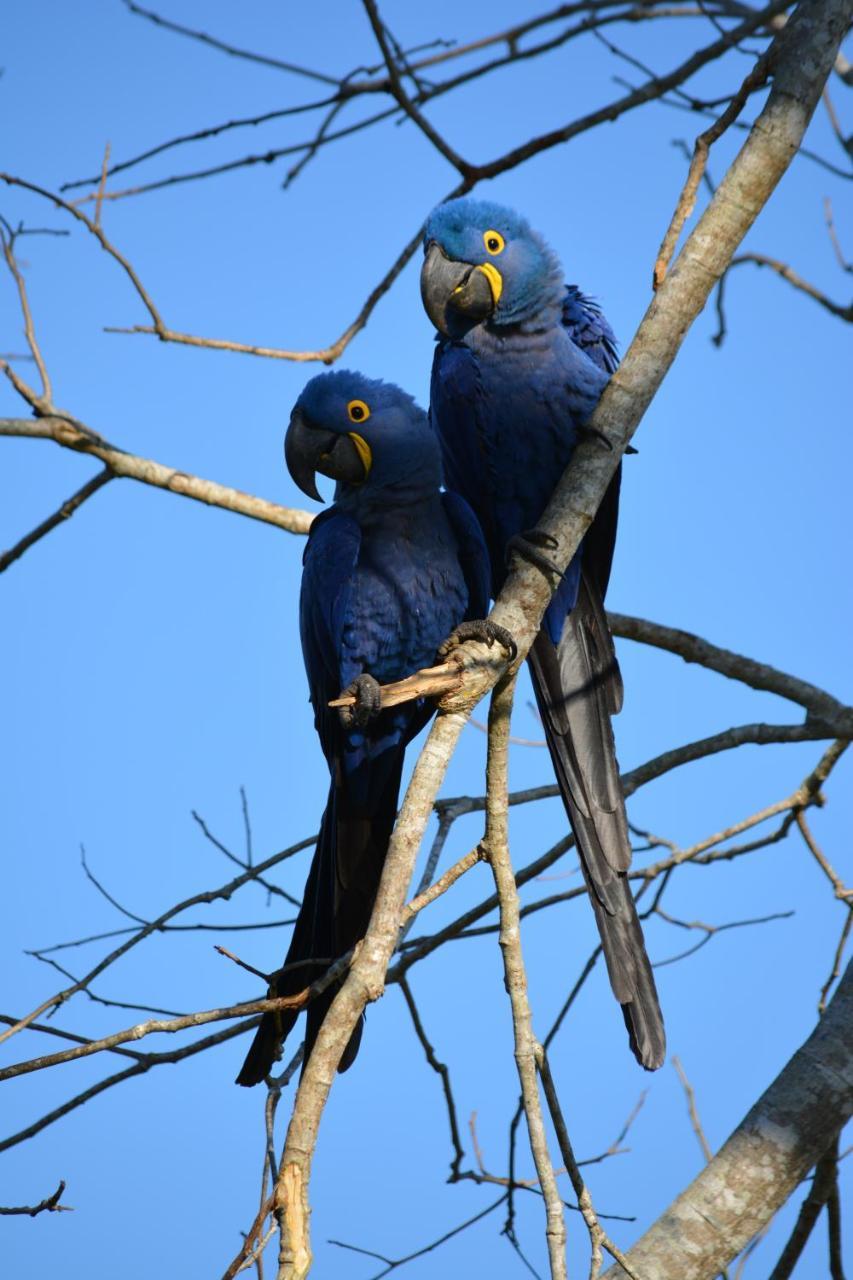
(366,434)
(484,264)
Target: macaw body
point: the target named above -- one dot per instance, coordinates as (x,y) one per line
(389,572)
(520,364)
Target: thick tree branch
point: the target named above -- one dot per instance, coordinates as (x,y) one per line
(763,1161)
(73,435)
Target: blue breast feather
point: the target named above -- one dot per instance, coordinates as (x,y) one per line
(381,602)
(500,401)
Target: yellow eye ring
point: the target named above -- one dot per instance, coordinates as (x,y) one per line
(494,242)
(358,411)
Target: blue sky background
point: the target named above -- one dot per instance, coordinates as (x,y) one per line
(151,650)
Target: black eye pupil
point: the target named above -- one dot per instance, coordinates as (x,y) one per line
(493,242)
(357,412)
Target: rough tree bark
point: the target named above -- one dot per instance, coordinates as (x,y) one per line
(767,1156)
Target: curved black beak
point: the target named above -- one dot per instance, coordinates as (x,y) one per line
(309,449)
(456,295)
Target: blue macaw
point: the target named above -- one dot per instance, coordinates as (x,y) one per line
(521,362)
(394,573)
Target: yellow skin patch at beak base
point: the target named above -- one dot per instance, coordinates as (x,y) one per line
(363,451)
(495,280)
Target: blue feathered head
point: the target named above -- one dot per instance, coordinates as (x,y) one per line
(484,264)
(368,435)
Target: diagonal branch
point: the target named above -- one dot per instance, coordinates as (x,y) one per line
(65,512)
(73,435)
(767,1156)
(515,979)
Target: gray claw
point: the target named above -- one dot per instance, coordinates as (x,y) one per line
(527,546)
(479,629)
(368,702)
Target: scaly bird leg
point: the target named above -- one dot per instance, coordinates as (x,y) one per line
(368,702)
(480,629)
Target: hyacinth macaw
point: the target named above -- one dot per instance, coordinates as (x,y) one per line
(394,573)
(521,361)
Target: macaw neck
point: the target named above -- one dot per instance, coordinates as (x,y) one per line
(413,498)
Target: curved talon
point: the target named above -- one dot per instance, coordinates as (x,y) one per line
(481,629)
(592,433)
(368,702)
(526,545)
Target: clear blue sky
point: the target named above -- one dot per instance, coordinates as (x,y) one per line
(152,657)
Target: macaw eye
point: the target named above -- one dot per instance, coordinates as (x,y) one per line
(494,242)
(358,411)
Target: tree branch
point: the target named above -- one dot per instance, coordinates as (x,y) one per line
(763,1161)
(73,435)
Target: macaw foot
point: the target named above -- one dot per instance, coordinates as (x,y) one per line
(368,702)
(480,629)
(528,545)
(592,433)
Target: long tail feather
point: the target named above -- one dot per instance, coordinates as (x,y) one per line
(339,895)
(578,687)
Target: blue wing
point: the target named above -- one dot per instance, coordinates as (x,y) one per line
(588,329)
(329,565)
(473,556)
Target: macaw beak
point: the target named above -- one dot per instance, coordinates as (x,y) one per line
(309,449)
(457,295)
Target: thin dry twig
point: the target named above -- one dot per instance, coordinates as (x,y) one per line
(825,1180)
(223,893)
(598,1237)
(833,236)
(687,200)
(841,891)
(49,1205)
(835,971)
(63,513)
(497,848)
(690,1095)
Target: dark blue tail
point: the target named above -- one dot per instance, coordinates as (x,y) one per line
(336,907)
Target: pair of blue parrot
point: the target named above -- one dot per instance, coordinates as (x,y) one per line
(398,571)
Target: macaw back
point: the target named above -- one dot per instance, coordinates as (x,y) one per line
(509,403)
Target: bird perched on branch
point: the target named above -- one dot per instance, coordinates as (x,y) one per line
(390,572)
(521,362)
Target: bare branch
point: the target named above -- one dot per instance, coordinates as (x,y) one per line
(49,1205)
(691,1107)
(464,169)
(763,1161)
(223,47)
(441,1070)
(836,963)
(698,164)
(846,895)
(833,236)
(758,675)
(213,895)
(787,273)
(73,435)
(145,1063)
(821,1189)
(7,240)
(515,980)
(65,512)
